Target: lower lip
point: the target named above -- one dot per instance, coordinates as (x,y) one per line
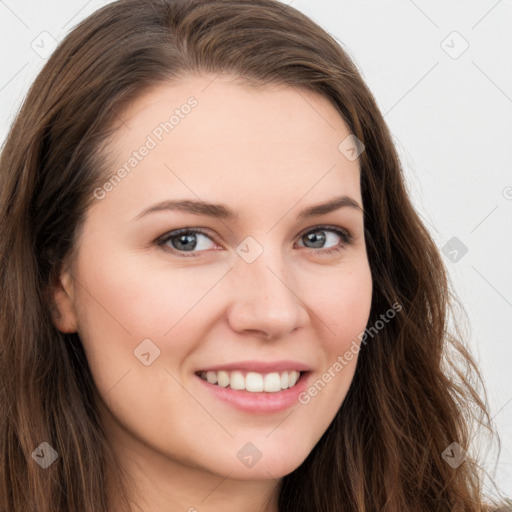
(260,403)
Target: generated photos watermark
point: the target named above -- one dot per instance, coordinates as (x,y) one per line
(152,141)
(343,360)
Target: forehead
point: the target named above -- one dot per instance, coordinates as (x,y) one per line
(206,135)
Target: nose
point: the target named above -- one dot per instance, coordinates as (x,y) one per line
(265,299)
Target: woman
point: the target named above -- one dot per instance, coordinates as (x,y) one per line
(170,339)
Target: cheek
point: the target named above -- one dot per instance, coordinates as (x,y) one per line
(344,304)
(123,301)
(343,310)
(143,296)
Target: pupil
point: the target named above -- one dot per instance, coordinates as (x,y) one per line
(315,239)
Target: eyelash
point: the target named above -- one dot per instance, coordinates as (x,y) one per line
(345,236)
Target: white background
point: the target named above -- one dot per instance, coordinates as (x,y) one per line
(450,113)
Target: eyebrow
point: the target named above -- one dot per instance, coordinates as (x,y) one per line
(221,211)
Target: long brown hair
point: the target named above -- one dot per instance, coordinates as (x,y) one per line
(415,390)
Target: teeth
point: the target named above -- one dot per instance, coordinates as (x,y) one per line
(253,382)
(211,377)
(236,380)
(223,379)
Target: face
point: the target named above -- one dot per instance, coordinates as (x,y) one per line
(207,259)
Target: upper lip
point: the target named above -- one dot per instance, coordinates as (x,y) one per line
(259,366)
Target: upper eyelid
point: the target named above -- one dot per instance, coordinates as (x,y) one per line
(326,227)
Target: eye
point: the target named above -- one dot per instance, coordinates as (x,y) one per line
(194,240)
(186,240)
(322,235)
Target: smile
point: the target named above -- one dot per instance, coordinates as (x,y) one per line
(252,382)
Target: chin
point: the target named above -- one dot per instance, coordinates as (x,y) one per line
(275,464)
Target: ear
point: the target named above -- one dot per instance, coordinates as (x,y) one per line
(63,311)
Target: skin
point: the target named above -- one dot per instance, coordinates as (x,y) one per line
(267,153)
